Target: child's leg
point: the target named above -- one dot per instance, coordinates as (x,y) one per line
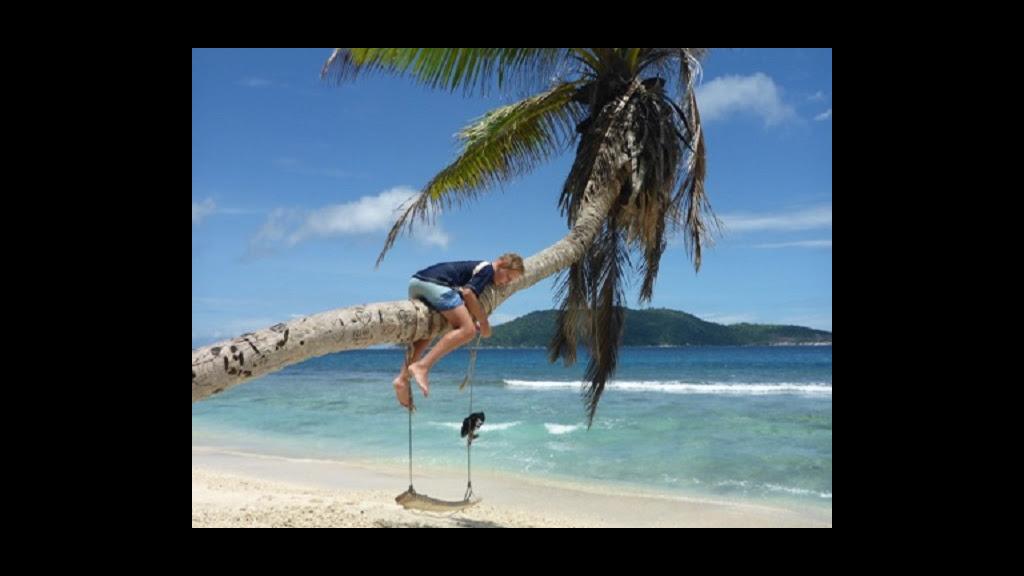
(401,383)
(462,331)
(417,350)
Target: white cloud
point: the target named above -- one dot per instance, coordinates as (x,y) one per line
(367,215)
(756,94)
(274,231)
(201,210)
(798,244)
(433,236)
(806,219)
(817,96)
(826,115)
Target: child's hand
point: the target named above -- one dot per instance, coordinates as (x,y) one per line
(485,329)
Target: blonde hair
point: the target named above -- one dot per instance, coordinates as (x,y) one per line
(512,261)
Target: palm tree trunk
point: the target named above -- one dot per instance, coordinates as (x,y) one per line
(220,366)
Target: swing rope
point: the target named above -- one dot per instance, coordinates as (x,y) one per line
(469,437)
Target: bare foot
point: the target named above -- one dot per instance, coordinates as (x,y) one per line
(402,391)
(422,376)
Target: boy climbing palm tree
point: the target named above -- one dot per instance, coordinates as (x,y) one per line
(453,289)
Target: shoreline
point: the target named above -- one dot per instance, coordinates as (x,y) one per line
(234,488)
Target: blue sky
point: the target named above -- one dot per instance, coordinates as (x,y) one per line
(294,181)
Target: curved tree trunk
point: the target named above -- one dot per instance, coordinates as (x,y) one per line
(220,366)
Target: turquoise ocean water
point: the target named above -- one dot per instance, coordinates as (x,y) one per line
(754,423)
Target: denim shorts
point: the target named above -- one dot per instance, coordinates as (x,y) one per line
(436,296)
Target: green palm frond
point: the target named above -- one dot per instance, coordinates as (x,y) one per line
(471,69)
(503,144)
(634,114)
(662,186)
(593,310)
(571,312)
(510,141)
(587,57)
(691,209)
(608,261)
(657,149)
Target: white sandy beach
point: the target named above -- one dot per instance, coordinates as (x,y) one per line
(232,489)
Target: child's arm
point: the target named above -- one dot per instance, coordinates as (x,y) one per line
(474,307)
